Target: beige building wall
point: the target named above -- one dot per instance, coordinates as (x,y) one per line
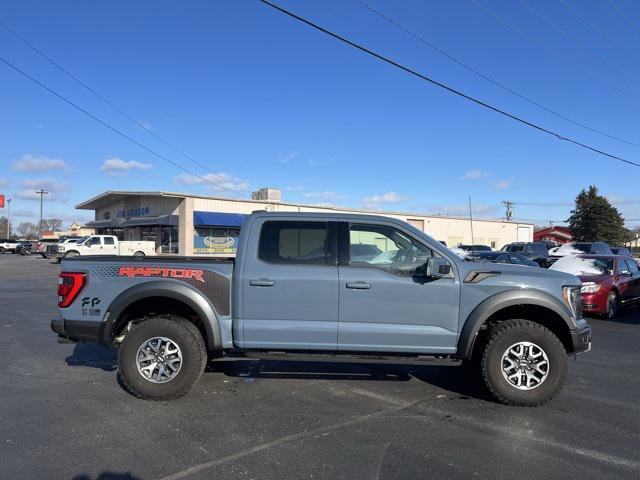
(454,231)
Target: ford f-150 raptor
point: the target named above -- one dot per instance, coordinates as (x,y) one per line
(294,288)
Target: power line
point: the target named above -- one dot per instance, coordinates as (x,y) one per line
(114,106)
(577,43)
(599,31)
(489,79)
(625,17)
(564,58)
(445,87)
(105,124)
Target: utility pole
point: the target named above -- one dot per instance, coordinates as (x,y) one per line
(509,209)
(8,218)
(42,193)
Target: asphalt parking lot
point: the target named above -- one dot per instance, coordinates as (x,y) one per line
(64,415)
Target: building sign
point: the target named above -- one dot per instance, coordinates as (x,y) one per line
(132,212)
(1,201)
(213,241)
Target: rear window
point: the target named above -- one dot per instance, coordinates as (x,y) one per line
(294,242)
(108,241)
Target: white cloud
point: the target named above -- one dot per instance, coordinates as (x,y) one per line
(55,188)
(116,165)
(475,174)
(324,196)
(286,158)
(294,188)
(502,184)
(375,201)
(218,182)
(31,163)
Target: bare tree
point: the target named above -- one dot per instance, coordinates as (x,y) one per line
(51,224)
(4,224)
(27,230)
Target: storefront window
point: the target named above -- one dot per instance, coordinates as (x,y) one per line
(170,240)
(215,240)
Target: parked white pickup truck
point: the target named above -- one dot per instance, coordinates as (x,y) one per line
(106,245)
(7,245)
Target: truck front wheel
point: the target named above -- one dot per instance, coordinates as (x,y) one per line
(523,363)
(162,357)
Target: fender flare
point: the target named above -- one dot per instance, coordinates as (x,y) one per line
(167,289)
(485,309)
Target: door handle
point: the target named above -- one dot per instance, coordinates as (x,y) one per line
(262,283)
(358,285)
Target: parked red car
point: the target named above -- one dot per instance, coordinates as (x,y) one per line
(608,281)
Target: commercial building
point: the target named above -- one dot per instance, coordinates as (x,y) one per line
(553,234)
(191,224)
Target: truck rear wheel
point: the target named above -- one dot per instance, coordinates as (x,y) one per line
(523,363)
(162,358)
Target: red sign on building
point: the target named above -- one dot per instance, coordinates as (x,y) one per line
(1,201)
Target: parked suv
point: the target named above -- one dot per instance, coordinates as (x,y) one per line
(535,251)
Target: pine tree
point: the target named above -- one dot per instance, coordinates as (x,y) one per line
(594,219)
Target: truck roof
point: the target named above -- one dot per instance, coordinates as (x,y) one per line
(325,215)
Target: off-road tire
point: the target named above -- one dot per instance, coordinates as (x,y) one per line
(184,334)
(507,333)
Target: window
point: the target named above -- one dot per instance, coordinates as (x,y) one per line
(387,249)
(109,241)
(623,267)
(517,260)
(295,243)
(633,266)
(493,243)
(93,241)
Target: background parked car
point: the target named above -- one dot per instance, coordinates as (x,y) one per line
(624,251)
(41,245)
(8,245)
(608,281)
(536,251)
(501,257)
(24,247)
(53,250)
(474,248)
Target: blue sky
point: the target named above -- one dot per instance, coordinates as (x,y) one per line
(265,101)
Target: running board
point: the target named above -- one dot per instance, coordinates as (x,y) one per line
(351,357)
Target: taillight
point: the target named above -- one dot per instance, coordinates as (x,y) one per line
(69,286)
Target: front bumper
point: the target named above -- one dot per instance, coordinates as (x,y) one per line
(581,339)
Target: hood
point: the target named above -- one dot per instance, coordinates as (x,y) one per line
(518,271)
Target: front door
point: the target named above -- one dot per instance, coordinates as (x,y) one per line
(386,301)
(290,288)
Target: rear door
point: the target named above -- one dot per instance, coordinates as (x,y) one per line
(386,304)
(625,281)
(109,246)
(290,288)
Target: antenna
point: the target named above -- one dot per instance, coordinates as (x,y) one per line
(473,253)
(509,209)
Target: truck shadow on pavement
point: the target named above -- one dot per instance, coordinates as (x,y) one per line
(107,476)
(93,355)
(462,381)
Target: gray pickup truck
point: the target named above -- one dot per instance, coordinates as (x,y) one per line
(303,283)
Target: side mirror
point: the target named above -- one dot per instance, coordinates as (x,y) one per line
(437,267)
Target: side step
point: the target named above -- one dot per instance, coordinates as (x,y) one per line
(349,357)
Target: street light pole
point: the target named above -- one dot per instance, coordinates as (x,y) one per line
(42,193)
(8,218)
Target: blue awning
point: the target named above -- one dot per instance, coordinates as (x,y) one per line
(216,219)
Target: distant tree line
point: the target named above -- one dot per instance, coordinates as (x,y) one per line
(29,230)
